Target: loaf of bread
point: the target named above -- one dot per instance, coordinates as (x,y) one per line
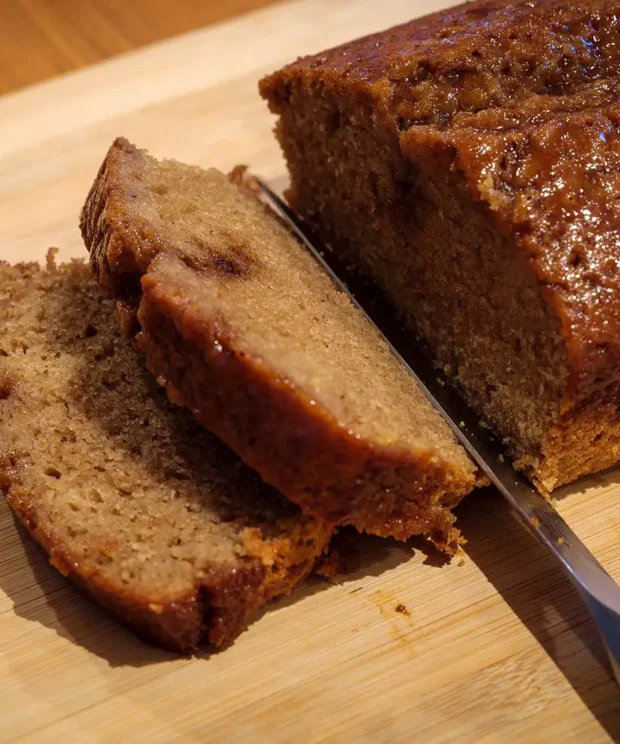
(469,162)
(244,328)
(139,505)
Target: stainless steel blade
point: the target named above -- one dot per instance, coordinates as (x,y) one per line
(599,591)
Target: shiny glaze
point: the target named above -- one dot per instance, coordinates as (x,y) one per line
(475,56)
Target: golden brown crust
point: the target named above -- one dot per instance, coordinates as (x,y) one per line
(474,56)
(178,626)
(216,612)
(111,264)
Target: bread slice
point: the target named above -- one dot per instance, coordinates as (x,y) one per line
(245,329)
(469,163)
(141,507)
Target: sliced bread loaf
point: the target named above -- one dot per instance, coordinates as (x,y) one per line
(244,328)
(138,504)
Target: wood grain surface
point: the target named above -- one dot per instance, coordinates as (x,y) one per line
(40,39)
(498,649)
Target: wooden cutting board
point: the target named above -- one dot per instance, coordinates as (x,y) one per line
(494,648)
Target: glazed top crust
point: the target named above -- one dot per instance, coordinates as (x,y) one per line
(475,56)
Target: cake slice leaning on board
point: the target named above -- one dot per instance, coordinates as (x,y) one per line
(469,162)
(143,509)
(243,327)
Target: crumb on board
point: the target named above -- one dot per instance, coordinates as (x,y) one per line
(328,566)
(535,522)
(402,609)
(461,563)
(241,176)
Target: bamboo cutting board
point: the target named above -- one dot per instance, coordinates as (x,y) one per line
(494,648)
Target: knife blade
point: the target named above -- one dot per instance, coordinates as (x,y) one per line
(598,590)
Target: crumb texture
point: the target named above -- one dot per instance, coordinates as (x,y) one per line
(141,506)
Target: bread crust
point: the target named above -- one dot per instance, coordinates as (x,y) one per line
(215,613)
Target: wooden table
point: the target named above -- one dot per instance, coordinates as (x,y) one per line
(40,39)
(496,649)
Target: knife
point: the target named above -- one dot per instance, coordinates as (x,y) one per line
(598,590)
